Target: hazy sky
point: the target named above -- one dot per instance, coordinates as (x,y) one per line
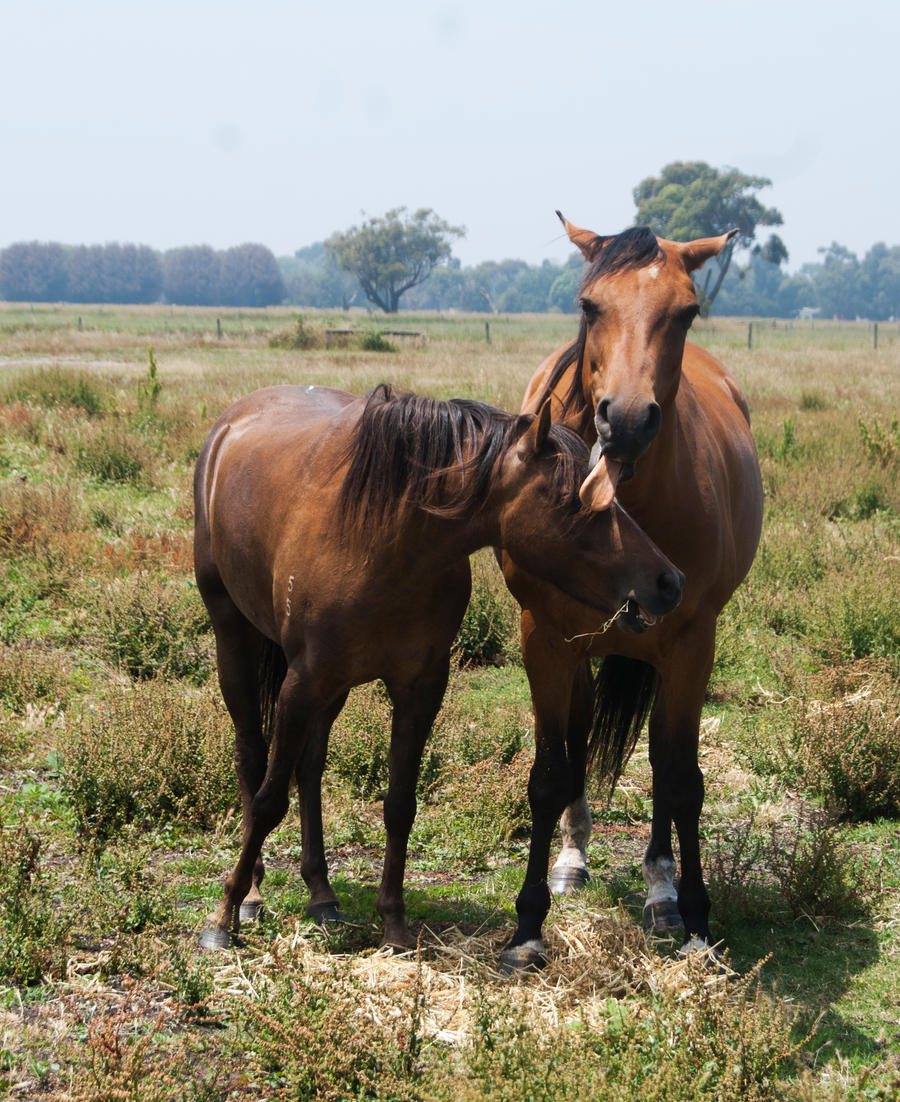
(186,122)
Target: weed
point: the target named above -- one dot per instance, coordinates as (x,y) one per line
(150,387)
(301,337)
(30,931)
(150,627)
(148,755)
(56,386)
(375,342)
(882,446)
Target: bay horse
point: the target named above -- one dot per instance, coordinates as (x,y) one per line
(332,536)
(670,435)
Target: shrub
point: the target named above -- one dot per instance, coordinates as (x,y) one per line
(358,749)
(375,342)
(148,755)
(299,338)
(30,932)
(56,386)
(847,737)
(110,453)
(489,628)
(149,627)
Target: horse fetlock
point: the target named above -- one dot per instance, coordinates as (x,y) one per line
(528,956)
(567,877)
(325,913)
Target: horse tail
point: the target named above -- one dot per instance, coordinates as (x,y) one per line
(623,693)
(272,671)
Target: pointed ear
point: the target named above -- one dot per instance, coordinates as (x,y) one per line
(694,254)
(588,242)
(535,435)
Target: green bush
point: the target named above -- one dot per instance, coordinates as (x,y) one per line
(300,337)
(359,746)
(57,386)
(147,755)
(30,932)
(489,631)
(375,342)
(149,626)
(110,453)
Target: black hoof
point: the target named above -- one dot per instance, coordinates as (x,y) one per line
(662,916)
(214,937)
(324,913)
(567,879)
(250,912)
(521,958)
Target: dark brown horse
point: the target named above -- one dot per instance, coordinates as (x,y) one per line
(670,433)
(332,533)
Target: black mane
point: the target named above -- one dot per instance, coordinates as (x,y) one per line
(406,448)
(633,248)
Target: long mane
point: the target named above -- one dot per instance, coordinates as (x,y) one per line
(636,247)
(407,452)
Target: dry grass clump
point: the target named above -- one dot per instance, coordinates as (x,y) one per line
(443,1023)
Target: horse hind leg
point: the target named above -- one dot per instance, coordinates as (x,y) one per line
(262,814)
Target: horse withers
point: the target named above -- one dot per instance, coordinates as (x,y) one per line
(670,436)
(332,534)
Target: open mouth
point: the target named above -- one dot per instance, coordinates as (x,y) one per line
(637,618)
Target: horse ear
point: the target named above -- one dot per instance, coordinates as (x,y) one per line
(588,242)
(694,254)
(535,435)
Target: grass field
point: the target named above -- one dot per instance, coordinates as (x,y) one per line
(117,794)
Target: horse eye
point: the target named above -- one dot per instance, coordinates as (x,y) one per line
(687,316)
(588,308)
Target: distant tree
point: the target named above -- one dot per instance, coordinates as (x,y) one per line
(837,282)
(389,255)
(33,271)
(690,199)
(251,277)
(192,276)
(880,282)
(312,277)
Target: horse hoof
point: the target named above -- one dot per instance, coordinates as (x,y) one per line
(250,912)
(703,953)
(566,879)
(325,913)
(214,937)
(528,957)
(661,916)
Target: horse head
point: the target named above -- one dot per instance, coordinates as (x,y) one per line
(600,557)
(637,301)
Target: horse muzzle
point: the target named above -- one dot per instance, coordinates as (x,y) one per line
(625,430)
(642,611)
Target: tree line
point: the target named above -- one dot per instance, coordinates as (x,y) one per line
(194,275)
(408,255)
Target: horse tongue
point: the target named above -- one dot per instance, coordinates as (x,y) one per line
(599,488)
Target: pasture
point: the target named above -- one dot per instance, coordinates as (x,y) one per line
(117,790)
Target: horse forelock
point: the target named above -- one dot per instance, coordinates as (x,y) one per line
(637,247)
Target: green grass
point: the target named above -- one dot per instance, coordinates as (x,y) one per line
(117,798)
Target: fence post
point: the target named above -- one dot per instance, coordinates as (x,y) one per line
(875,336)
(487,331)
(750,335)
(219,328)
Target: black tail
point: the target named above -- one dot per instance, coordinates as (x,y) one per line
(623,692)
(272,670)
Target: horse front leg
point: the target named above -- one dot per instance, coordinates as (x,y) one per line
(678,792)
(570,870)
(263,813)
(414,709)
(552,785)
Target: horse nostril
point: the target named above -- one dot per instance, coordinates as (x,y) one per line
(653,420)
(670,583)
(603,411)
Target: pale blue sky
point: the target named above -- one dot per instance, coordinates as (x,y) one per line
(187,122)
